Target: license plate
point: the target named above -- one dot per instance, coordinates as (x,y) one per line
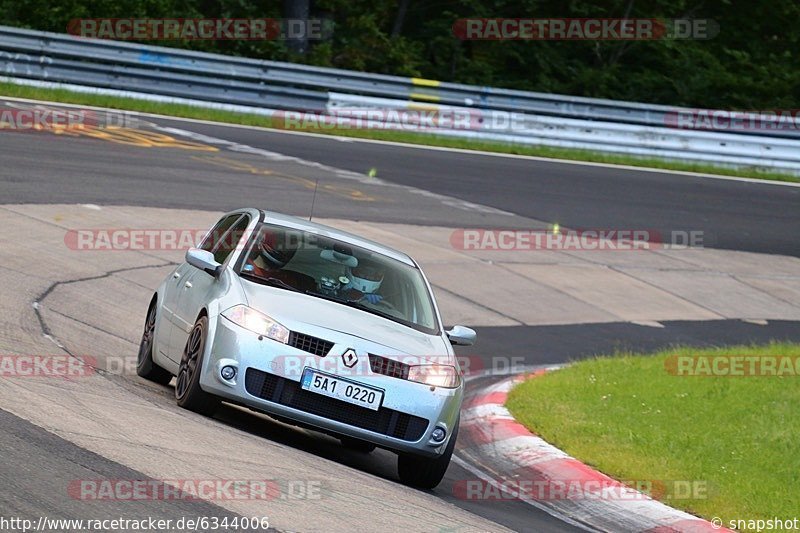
(344,390)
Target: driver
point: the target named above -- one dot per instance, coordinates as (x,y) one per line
(272,253)
(367,278)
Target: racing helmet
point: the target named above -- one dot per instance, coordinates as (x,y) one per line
(275,248)
(367,276)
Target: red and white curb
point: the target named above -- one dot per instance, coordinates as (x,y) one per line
(509,459)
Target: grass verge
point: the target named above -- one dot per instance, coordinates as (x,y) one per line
(185,111)
(627,416)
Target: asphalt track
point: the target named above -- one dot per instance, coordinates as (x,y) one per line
(758,217)
(46,169)
(733,215)
(34,461)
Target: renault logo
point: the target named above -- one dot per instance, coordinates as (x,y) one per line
(350,358)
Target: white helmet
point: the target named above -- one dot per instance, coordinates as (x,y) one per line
(366,277)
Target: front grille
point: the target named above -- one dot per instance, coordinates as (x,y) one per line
(310,344)
(289,393)
(388,367)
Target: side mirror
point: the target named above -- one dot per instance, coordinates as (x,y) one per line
(203,260)
(461,336)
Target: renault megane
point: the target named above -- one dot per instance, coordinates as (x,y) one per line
(312,326)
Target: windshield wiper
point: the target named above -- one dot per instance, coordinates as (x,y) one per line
(330,297)
(272,282)
(356,304)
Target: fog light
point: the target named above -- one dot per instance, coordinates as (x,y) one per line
(228,372)
(438,434)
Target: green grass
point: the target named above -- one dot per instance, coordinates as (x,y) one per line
(630,418)
(178,110)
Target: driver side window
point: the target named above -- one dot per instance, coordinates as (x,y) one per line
(214,236)
(224,237)
(231,240)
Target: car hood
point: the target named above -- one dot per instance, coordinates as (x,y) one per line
(304,313)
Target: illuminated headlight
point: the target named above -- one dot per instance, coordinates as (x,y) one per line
(436,375)
(257,322)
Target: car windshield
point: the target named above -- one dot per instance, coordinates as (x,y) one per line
(334,270)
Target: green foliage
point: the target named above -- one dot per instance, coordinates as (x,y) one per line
(751,64)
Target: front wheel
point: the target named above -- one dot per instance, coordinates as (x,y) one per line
(188,393)
(145,367)
(425,472)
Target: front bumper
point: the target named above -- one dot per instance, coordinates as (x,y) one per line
(268,379)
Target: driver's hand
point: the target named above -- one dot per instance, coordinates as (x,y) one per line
(373,298)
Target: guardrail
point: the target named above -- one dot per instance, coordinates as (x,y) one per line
(266,86)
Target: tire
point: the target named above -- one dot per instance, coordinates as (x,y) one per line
(357,445)
(188,393)
(145,367)
(425,472)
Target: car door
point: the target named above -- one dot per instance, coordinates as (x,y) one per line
(168,323)
(176,285)
(197,286)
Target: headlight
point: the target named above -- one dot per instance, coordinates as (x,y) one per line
(435,375)
(257,322)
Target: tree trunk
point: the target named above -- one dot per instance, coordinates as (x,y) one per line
(297,11)
(400,18)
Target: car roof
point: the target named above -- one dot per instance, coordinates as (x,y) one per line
(334,233)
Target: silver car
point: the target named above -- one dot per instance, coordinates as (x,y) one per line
(315,327)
